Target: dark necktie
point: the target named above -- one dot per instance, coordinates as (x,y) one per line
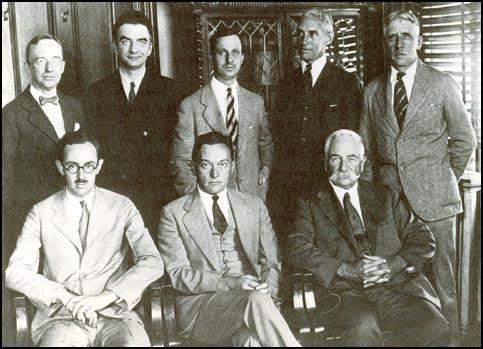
(231,120)
(400,100)
(44,100)
(132,93)
(83,223)
(307,77)
(357,226)
(219,221)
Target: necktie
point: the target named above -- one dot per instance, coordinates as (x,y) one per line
(44,100)
(132,93)
(400,100)
(219,221)
(83,223)
(307,81)
(231,120)
(357,226)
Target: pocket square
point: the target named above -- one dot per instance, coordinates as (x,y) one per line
(333,105)
(76,126)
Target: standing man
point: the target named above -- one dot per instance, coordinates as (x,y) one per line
(90,283)
(419,140)
(131,112)
(222,256)
(368,257)
(223,105)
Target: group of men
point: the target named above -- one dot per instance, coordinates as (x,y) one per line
(216,154)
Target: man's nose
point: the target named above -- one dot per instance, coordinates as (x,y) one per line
(229,58)
(343,165)
(214,173)
(49,66)
(399,42)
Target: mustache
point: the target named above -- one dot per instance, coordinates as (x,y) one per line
(81,181)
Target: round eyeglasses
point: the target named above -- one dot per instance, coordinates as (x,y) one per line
(73,167)
(41,62)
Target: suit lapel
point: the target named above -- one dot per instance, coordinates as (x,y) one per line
(97,217)
(245,115)
(37,116)
(387,111)
(199,229)
(370,215)
(244,215)
(60,219)
(421,90)
(67,114)
(211,111)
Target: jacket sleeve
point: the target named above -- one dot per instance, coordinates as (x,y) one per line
(462,139)
(184,278)
(184,140)
(302,249)
(265,143)
(148,265)
(366,132)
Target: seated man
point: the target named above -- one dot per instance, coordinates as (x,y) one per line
(367,248)
(88,289)
(222,256)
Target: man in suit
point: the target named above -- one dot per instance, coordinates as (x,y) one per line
(131,112)
(419,140)
(224,106)
(88,287)
(367,256)
(222,256)
(32,124)
(313,101)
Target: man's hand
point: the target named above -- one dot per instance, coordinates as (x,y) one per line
(263,181)
(351,272)
(244,282)
(84,308)
(377,270)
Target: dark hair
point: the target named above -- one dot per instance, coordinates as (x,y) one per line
(78,137)
(35,40)
(131,17)
(221,33)
(210,139)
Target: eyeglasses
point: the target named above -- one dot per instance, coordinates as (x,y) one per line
(41,62)
(73,167)
(143,43)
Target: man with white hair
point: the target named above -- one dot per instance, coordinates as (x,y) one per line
(366,248)
(419,140)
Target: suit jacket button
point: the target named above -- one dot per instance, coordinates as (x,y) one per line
(305,118)
(240,180)
(303,139)
(145,133)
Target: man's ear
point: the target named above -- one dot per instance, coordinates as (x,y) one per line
(114,48)
(420,42)
(99,166)
(60,168)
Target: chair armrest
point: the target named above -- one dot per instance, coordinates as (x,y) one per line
(156,325)
(22,338)
(168,293)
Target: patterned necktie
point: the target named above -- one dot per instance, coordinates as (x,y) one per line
(83,223)
(132,93)
(44,100)
(400,100)
(231,120)
(219,221)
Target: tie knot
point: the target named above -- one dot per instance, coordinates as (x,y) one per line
(133,84)
(215,198)
(400,75)
(308,67)
(83,204)
(44,100)
(228,91)
(347,197)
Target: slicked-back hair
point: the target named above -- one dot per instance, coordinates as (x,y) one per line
(131,17)
(210,139)
(342,132)
(323,17)
(406,15)
(35,40)
(77,137)
(221,32)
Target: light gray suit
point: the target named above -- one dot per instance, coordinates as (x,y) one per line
(206,312)
(115,230)
(199,114)
(424,160)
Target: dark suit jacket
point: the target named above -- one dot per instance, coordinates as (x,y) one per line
(321,239)
(135,139)
(29,149)
(336,103)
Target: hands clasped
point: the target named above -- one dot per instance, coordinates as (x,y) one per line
(84,308)
(372,270)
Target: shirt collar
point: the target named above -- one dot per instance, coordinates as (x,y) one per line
(127,81)
(36,93)
(205,197)
(340,192)
(220,88)
(410,72)
(75,200)
(317,65)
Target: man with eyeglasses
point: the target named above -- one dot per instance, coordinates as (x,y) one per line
(86,236)
(32,124)
(132,111)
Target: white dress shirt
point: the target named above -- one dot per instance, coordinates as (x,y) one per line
(354,195)
(53,111)
(126,82)
(219,89)
(317,67)
(407,79)
(73,206)
(207,200)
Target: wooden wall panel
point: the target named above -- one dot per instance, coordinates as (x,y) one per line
(8,77)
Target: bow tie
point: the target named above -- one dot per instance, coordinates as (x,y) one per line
(44,100)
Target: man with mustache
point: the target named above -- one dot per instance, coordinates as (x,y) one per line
(366,249)
(86,237)
(132,111)
(225,106)
(32,124)
(419,140)
(222,256)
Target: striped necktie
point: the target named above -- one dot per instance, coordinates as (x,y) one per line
(400,100)
(231,120)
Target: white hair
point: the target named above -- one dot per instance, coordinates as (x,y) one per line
(402,14)
(343,132)
(323,17)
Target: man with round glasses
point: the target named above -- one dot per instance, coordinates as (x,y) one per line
(88,287)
